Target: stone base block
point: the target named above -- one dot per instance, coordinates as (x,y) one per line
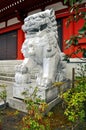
(21,106)
(47,94)
(17,104)
(50,95)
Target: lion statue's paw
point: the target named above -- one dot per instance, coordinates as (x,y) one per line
(44,82)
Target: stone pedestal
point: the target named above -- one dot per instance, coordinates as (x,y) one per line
(47,94)
(50,95)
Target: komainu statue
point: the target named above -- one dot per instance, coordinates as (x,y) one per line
(41,51)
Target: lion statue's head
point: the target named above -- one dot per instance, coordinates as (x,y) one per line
(41,36)
(40,21)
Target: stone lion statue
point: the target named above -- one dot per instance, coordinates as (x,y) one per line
(41,51)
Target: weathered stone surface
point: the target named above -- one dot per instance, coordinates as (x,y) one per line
(40,48)
(43,61)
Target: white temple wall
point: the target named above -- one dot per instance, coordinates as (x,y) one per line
(56,6)
(2,25)
(12,21)
(9,22)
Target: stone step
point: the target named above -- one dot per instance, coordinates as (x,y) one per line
(6,78)
(7,74)
(5,82)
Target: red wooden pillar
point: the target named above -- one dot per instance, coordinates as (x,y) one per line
(82,42)
(19,44)
(67,32)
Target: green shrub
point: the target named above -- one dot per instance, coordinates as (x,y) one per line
(75,98)
(3,93)
(34,119)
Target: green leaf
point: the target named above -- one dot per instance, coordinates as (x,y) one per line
(80,1)
(65,1)
(69,42)
(71,2)
(75,42)
(74,1)
(83,29)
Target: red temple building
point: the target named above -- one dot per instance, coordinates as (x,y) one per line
(12,14)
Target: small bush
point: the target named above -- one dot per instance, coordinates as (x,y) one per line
(75,98)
